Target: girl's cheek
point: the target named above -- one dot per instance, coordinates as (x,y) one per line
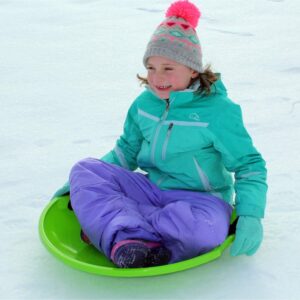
(149,77)
(150,81)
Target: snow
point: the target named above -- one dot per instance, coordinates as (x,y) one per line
(67,77)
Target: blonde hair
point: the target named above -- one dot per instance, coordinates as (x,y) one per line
(206,79)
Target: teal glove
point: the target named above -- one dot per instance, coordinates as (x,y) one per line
(65,190)
(248,236)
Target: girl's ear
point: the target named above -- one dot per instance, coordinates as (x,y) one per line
(194,74)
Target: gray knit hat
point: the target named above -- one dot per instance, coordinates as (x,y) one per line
(176,37)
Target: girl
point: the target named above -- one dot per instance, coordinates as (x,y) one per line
(189,138)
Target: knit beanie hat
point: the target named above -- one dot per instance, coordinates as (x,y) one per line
(176,38)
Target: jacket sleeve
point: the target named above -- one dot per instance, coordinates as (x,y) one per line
(240,157)
(128,145)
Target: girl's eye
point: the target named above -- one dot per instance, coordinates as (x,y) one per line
(169,69)
(149,68)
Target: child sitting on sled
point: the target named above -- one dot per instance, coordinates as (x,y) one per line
(189,138)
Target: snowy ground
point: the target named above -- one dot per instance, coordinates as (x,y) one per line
(67,77)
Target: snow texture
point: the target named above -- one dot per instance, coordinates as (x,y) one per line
(67,78)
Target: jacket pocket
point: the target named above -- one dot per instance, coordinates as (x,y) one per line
(202,176)
(166,141)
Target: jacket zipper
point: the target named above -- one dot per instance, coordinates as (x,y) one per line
(164,149)
(163,118)
(168,104)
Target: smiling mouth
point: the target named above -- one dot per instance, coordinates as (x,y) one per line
(163,87)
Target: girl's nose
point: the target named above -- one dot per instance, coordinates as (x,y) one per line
(160,75)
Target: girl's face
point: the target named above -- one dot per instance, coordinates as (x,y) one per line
(165,75)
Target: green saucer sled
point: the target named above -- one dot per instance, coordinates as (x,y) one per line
(60,233)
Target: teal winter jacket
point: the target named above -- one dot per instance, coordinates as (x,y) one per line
(195,142)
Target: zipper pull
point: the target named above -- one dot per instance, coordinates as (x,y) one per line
(168,104)
(170,126)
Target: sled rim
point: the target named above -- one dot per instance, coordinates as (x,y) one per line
(50,238)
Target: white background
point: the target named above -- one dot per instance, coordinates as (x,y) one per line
(67,78)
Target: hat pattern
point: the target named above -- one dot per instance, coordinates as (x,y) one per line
(176,37)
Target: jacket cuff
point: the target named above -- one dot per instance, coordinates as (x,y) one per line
(250,210)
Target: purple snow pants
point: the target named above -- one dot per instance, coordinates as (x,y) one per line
(114,204)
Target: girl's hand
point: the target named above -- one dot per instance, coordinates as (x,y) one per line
(248,236)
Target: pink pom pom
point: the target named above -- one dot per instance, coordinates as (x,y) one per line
(185,10)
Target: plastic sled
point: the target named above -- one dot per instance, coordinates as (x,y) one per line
(60,232)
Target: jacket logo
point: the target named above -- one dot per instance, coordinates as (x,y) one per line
(194,116)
